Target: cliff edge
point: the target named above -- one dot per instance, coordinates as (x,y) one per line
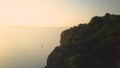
(92,45)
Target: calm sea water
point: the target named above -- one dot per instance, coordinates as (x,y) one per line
(27,47)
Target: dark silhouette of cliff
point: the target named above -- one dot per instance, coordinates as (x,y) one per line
(92,45)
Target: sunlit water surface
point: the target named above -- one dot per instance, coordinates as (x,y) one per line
(27,47)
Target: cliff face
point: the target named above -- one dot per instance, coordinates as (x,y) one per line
(92,45)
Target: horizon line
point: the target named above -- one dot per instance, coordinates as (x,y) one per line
(21,26)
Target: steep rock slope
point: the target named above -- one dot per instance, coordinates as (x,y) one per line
(92,45)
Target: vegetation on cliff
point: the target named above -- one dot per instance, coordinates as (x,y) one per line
(92,45)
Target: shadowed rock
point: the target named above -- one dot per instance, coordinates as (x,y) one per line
(92,45)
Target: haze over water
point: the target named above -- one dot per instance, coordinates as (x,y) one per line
(22,47)
(29,47)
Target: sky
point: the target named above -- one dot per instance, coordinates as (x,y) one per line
(53,13)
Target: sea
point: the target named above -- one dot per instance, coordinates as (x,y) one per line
(27,47)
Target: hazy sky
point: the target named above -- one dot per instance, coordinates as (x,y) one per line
(53,13)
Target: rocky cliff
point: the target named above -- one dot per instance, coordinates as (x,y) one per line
(92,45)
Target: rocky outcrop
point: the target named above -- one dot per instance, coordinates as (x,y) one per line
(92,45)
